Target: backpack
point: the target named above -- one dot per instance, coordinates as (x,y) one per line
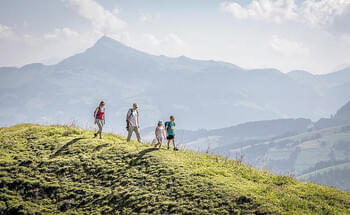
(99,109)
(127,122)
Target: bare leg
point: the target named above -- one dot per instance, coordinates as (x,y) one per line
(159,143)
(169,143)
(174,143)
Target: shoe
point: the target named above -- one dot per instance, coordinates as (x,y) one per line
(168,147)
(176,149)
(95,135)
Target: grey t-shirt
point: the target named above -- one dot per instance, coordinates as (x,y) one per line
(132,115)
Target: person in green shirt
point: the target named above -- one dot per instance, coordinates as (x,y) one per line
(170,132)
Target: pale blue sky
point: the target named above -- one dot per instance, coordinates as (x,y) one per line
(284,34)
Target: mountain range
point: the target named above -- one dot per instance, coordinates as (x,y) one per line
(201,93)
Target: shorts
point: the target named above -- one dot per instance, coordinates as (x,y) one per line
(170,137)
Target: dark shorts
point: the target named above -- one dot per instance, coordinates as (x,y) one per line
(170,137)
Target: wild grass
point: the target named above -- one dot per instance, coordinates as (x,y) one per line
(62,169)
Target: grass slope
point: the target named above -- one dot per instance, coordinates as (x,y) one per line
(61,169)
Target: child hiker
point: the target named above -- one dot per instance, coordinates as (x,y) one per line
(159,132)
(170,131)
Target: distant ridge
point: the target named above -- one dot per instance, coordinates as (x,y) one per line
(201,87)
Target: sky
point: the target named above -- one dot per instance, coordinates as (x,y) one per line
(310,35)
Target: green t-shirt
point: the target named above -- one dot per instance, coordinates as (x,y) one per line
(171,128)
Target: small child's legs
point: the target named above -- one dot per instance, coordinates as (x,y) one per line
(159,142)
(168,143)
(174,143)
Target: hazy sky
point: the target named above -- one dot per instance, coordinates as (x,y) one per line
(312,35)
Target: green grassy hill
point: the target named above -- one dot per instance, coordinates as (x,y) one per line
(61,169)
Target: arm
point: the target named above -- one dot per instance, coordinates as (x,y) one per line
(155,132)
(164,134)
(138,122)
(104,121)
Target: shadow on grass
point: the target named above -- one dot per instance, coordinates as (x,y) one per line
(140,156)
(65,147)
(99,147)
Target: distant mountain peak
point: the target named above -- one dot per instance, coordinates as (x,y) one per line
(107,41)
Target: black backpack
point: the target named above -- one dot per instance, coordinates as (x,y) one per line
(99,109)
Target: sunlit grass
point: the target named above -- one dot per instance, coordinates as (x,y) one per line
(62,169)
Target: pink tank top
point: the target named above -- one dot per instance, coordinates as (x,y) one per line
(100,113)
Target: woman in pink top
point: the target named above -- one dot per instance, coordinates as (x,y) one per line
(100,118)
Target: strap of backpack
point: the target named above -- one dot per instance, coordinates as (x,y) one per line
(97,111)
(129,116)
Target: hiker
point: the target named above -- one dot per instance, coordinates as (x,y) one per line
(133,123)
(99,116)
(159,132)
(170,132)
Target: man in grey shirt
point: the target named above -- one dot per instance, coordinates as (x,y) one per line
(132,118)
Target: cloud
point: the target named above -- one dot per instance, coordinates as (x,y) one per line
(101,19)
(5,31)
(116,10)
(345,38)
(288,47)
(324,11)
(61,33)
(270,10)
(143,18)
(50,47)
(151,39)
(316,13)
(169,44)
